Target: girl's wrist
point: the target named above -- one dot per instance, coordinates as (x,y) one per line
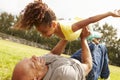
(83,38)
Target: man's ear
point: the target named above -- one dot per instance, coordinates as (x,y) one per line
(33,58)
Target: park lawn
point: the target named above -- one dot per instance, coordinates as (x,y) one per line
(11,53)
(114,72)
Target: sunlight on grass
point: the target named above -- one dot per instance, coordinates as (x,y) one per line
(11,53)
(115,72)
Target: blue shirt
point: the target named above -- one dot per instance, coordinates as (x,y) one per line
(100,61)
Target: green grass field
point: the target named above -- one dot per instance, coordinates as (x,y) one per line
(11,53)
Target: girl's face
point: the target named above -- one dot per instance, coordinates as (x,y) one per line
(46,30)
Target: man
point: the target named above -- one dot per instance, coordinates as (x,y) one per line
(99,57)
(55,67)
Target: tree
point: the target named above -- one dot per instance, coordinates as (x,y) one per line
(6,21)
(111,40)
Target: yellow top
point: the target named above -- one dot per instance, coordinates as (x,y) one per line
(66,27)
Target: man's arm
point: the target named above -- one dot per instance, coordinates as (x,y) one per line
(58,49)
(86,54)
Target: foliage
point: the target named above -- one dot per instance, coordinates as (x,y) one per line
(32,35)
(72,47)
(7,22)
(111,40)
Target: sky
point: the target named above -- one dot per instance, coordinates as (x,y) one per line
(70,8)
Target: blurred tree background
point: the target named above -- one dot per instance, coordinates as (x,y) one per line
(110,38)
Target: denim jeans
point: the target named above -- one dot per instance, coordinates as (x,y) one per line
(100,61)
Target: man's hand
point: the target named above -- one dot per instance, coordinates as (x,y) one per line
(85,33)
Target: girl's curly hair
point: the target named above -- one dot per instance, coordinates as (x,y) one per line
(35,14)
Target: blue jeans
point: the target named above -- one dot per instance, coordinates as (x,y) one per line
(100,61)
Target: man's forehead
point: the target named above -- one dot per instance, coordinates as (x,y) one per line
(26,60)
(24,64)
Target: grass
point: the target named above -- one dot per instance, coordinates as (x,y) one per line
(115,72)
(11,53)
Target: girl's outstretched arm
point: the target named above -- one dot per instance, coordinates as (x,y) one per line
(81,24)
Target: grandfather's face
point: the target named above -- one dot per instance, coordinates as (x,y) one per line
(29,69)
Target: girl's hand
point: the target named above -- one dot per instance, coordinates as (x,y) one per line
(38,0)
(115,13)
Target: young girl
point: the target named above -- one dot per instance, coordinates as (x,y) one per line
(38,14)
